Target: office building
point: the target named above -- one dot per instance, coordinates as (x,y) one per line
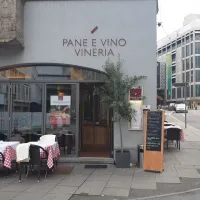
(181,53)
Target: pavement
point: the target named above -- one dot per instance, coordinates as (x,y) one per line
(180,179)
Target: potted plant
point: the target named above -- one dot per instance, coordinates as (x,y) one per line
(114,93)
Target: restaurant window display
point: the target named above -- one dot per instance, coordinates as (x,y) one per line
(4,114)
(61,115)
(40,99)
(26,110)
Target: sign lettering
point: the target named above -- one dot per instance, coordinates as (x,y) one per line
(94,47)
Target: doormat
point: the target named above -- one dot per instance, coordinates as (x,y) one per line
(63,170)
(96,166)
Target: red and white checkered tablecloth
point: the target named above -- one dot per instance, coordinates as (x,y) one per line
(182,135)
(53,154)
(8,149)
(9,154)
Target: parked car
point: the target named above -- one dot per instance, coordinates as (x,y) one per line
(181,108)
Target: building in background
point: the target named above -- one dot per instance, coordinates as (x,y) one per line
(161,83)
(180,51)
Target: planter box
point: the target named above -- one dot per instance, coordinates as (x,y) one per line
(122,160)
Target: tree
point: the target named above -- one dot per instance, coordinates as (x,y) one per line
(115,90)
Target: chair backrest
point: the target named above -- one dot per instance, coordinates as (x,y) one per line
(2,158)
(169,124)
(173,134)
(34,153)
(48,138)
(62,140)
(34,137)
(3,137)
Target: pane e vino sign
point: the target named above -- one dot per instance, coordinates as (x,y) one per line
(94,47)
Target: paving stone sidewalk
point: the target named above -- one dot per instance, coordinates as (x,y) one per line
(111,182)
(181,172)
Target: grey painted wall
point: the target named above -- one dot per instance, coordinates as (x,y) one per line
(48,23)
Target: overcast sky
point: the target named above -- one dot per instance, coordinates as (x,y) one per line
(172,12)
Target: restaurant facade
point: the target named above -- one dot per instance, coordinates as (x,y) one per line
(51,58)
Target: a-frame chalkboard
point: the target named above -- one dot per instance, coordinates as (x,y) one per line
(154,141)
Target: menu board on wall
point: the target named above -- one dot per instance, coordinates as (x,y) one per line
(154,131)
(153,141)
(136,122)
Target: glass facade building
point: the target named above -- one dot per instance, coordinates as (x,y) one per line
(184,48)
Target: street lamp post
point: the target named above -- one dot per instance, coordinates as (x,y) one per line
(185,89)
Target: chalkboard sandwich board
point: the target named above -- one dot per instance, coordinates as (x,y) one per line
(154,141)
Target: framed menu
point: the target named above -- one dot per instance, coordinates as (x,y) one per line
(154,141)
(135,99)
(136,123)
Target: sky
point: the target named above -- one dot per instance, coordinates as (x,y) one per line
(171,14)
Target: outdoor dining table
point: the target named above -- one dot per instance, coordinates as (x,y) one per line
(8,149)
(53,150)
(175,126)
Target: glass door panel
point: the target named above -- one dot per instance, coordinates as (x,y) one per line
(26,113)
(61,115)
(4,111)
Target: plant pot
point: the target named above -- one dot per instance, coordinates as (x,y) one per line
(122,160)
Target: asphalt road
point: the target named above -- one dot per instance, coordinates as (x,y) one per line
(193,118)
(187,196)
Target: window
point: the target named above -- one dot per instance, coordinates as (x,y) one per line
(191,49)
(168,48)
(191,89)
(173,93)
(183,41)
(197,36)
(183,52)
(197,47)
(187,50)
(191,37)
(183,65)
(178,92)
(197,61)
(187,39)
(179,43)
(188,91)
(174,57)
(173,46)
(191,62)
(183,77)
(197,90)
(187,76)
(197,75)
(173,69)
(173,80)
(191,77)
(187,64)
(164,50)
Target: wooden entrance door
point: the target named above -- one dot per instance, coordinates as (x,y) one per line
(95,121)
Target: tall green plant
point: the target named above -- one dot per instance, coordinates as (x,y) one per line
(115,90)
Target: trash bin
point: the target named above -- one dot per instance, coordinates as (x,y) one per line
(140,155)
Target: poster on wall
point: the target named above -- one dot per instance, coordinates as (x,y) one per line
(135,94)
(60,111)
(135,98)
